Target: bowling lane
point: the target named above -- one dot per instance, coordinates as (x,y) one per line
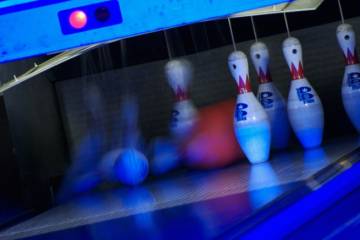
(207,201)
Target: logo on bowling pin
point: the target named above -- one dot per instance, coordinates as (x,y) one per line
(305,109)
(183,117)
(251,124)
(351,81)
(270,97)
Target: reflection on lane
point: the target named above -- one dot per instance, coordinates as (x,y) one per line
(263,176)
(315,159)
(138,199)
(211,199)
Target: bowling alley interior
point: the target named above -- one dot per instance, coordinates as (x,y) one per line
(187,119)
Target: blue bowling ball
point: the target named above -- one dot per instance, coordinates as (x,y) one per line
(131,167)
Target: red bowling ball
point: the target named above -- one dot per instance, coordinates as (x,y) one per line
(213,143)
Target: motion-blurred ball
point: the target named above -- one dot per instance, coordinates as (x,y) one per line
(127,166)
(131,167)
(213,143)
(165,156)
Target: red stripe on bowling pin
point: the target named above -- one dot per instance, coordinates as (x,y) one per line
(244,86)
(264,77)
(297,73)
(351,58)
(181,95)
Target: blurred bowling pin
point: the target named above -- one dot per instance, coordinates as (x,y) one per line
(270,97)
(351,82)
(165,156)
(305,109)
(179,74)
(127,165)
(252,127)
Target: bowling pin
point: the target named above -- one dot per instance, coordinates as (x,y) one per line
(165,156)
(351,81)
(184,114)
(305,109)
(252,127)
(270,97)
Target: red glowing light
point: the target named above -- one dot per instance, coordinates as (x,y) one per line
(78,19)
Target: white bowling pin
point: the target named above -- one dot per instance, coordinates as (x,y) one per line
(184,114)
(351,81)
(270,97)
(305,109)
(252,127)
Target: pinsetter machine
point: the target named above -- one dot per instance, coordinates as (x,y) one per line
(293,195)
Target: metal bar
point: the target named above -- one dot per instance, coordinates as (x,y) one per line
(47,65)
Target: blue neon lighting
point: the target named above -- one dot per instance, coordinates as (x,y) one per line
(21,5)
(291,218)
(38,31)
